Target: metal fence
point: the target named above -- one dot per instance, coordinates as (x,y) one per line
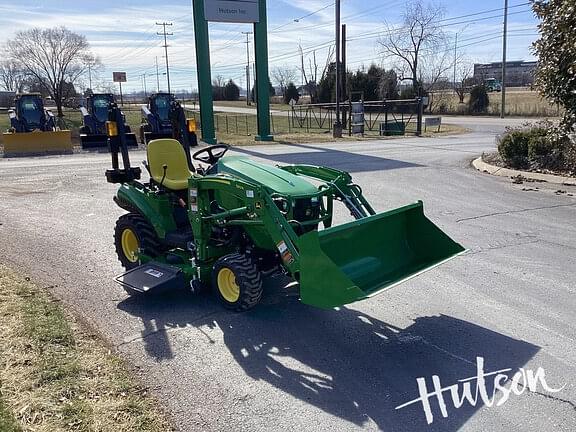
(317,118)
(322,116)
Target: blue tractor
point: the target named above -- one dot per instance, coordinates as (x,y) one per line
(164,117)
(33,129)
(95,115)
(30,115)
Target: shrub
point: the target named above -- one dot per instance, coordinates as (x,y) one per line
(513,147)
(479,100)
(540,146)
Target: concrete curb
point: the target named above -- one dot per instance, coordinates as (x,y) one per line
(480,165)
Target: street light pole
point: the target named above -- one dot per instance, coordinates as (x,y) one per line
(504,43)
(337,132)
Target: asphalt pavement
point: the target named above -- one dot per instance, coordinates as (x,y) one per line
(285,366)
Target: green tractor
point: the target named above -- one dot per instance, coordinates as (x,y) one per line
(228,222)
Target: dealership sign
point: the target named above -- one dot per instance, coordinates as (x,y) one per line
(119,77)
(237,11)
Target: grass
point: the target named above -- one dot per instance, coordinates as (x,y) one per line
(242,104)
(519,102)
(7,421)
(56,376)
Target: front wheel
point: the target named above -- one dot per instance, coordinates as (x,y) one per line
(133,234)
(237,282)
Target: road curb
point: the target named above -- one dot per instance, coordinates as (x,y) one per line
(480,165)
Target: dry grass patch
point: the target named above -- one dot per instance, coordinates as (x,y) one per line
(55,376)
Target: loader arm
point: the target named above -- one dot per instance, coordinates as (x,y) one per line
(340,186)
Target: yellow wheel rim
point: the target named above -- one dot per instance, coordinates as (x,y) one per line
(227,285)
(130,245)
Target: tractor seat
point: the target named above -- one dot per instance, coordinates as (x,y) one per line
(168,152)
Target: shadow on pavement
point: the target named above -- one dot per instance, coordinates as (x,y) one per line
(345,362)
(342,160)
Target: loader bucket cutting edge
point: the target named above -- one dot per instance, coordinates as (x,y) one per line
(360,259)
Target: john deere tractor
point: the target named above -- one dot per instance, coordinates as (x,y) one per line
(94,115)
(33,129)
(228,222)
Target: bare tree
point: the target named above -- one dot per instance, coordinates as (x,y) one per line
(283,75)
(54,57)
(12,77)
(310,73)
(419,35)
(219,81)
(463,77)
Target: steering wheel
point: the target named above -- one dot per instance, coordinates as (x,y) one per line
(213,154)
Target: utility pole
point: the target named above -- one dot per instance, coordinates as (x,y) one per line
(343,76)
(164,24)
(337,131)
(90,76)
(157,77)
(247,66)
(455,57)
(145,91)
(504,42)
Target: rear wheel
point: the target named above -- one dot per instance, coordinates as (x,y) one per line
(133,234)
(237,282)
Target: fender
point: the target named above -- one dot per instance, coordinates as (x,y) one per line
(157,211)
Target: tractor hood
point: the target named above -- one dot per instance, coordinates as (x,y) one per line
(272,178)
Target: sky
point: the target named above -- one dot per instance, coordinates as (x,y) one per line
(123,34)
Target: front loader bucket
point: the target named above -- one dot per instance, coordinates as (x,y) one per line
(37,143)
(351,262)
(100,142)
(90,142)
(131,140)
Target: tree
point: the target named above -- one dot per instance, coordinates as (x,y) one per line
(291,93)
(271,91)
(283,75)
(479,100)
(53,57)
(326,91)
(219,81)
(311,76)
(231,91)
(463,78)
(420,35)
(12,76)
(556,51)
(376,83)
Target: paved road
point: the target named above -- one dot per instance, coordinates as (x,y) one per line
(284,366)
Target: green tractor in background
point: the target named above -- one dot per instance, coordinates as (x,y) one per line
(228,222)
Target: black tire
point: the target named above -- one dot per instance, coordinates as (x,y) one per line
(247,277)
(144,233)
